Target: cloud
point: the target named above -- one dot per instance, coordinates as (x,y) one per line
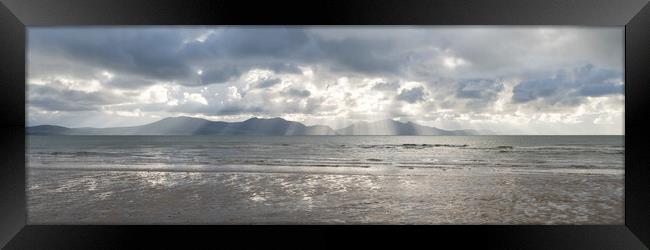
(195,97)
(386,86)
(532,89)
(233,93)
(411,95)
(219,110)
(176,54)
(485,89)
(570,87)
(53,98)
(361,55)
(126,81)
(267,83)
(298,93)
(216,74)
(151,53)
(471,75)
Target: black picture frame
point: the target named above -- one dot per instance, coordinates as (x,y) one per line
(15,15)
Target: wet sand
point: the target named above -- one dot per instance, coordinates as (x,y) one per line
(403,196)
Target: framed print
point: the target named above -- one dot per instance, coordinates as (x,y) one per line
(516,123)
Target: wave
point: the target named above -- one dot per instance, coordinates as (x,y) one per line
(376,164)
(411,146)
(98,154)
(574,149)
(608,149)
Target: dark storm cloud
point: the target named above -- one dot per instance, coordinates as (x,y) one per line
(532,89)
(218,74)
(496,51)
(151,53)
(298,93)
(252,42)
(127,82)
(56,99)
(166,55)
(485,89)
(412,95)
(175,54)
(386,86)
(267,83)
(282,48)
(361,55)
(169,55)
(286,68)
(570,86)
(601,89)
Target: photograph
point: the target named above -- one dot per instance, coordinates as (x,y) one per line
(311,125)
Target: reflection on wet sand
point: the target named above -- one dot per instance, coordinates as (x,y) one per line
(440,197)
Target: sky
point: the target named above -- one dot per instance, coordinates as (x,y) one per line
(508,79)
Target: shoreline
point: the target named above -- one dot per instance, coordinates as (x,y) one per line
(374,170)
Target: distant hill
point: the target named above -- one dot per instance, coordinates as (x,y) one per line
(391,127)
(254,126)
(195,126)
(48,130)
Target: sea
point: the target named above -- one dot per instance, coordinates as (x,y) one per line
(325,179)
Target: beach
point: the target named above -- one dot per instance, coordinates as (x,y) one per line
(443,197)
(435,181)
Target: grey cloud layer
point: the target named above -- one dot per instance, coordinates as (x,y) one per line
(224,53)
(412,95)
(568,86)
(167,54)
(464,69)
(57,99)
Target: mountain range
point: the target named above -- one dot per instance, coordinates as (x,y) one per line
(254,126)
